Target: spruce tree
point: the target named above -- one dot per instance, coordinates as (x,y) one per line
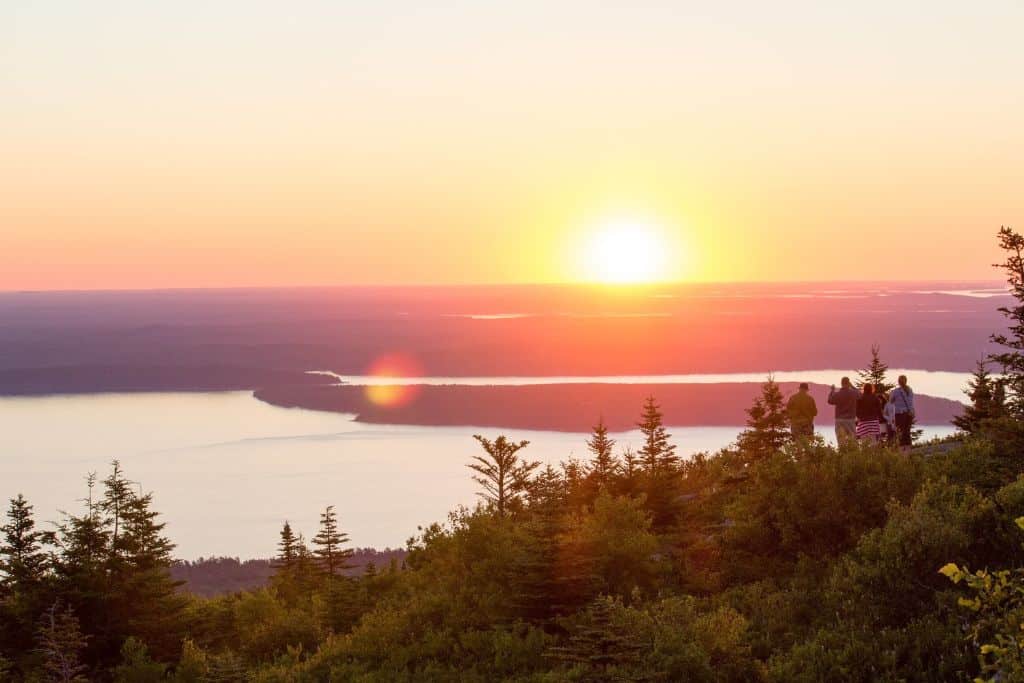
(767,424)
(600,649)
(59,643)
(502,474)
(117,497)
(875,373)
(986,396)
(144,597)
(332,558)
(287,550)
(603,466)
(629,472)
(1011,360)
(659,480)
(657,455)
(22,561)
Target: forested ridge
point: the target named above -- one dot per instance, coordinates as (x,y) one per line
(776,559)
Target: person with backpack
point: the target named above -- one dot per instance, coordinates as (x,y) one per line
(902,400)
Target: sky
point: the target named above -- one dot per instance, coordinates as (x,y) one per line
(230,143)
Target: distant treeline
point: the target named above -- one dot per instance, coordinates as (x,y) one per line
(209,576)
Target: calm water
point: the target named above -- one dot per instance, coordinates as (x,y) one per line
(227,469)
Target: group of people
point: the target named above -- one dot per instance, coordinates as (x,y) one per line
(866,414)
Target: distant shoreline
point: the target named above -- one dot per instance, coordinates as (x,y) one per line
(562,407)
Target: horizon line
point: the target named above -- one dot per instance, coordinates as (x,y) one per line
(495,285)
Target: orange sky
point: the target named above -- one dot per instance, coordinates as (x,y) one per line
(185,145)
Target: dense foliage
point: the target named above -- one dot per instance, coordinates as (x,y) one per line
(777,559)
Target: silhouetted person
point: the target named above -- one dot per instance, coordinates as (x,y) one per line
(902,400)
(845,401)
(888,436)
(869,415)
(801,410)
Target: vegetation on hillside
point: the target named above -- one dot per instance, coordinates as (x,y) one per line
(774,560)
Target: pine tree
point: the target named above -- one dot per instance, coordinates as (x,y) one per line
(60,643)
(875,373)
(538,584)
(630,472)
(1011,360)
(986,397)
(502,474)
(22,562)
(604,466)
(546,491)
(287,550)
(144,597)
(136,665)
(117,497)
(600,649)
(657,456)
(332,558)
(767,425)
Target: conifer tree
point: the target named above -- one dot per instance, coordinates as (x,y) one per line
(117,497)
(600,648)
(60,642)
(1011,360)
(767,425)
(630,471)
(503,475)
(546,491)
(534,585)
(875,373)
(22,561)
(332,558)
(287,550)
(141,592)
(657,456)
(986,397)
(604,466)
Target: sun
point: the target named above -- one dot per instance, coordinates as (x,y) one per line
(626,251)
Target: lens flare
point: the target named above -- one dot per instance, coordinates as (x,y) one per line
(388,369)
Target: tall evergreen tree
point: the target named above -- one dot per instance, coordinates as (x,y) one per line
(287,549)
(60,643)
(875,373)
(630,471)
(332,558)
(144,597)
(22,561)
(1011,360)
(599,649)
(502,474)
(603,466)
(117,498)
(767,425)
(657,455)
(986,396)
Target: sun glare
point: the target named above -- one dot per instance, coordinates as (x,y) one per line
(626,252)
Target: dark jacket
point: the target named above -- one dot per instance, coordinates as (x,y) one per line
(845,401)
(869,408)
(801,408)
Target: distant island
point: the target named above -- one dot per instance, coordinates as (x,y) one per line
(564,407)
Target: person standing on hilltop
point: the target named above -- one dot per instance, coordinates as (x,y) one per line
(845,401)
(902,400)
(869,415)
(801,410)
